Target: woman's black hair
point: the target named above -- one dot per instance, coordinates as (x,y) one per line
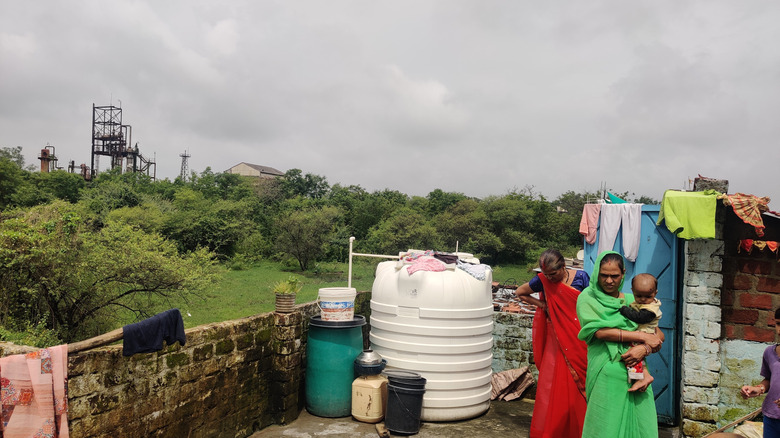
(777,313)
(551,259)
(613,257)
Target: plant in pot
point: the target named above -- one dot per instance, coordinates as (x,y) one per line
(285,291)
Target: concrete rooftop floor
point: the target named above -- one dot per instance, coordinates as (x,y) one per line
(512,419)
(502,419)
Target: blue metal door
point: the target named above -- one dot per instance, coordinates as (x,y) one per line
(658,255)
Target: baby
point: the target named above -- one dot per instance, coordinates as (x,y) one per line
(645,311)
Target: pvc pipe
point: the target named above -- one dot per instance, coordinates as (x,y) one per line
(349,273)
(349,277)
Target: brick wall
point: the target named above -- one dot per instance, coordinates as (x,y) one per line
(231,379)
(751,293)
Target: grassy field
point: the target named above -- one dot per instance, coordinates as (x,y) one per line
(249,292)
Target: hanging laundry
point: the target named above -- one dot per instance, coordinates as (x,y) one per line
(748,245)
(426,264)
(748,208)
(148,335)
(590,222)
(477,271)
(689,215)
(34,393)
(615,217)
(413,255)
(631,222)
(614,199)
(445,257)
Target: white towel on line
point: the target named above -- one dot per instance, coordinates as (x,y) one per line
(617,216)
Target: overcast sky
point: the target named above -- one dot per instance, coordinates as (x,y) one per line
(476,97)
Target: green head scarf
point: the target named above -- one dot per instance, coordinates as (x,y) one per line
(597,310)
(594,279)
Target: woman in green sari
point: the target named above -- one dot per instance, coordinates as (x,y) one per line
(612,410)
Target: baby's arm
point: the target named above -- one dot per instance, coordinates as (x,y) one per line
(641,316)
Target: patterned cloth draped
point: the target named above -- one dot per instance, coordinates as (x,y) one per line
(34,393)
(748,208)
(748,244)
(559,409)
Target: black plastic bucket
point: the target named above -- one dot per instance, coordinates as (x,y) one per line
(404,402)
(405,379)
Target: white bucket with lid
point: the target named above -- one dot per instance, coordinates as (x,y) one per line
(337,303)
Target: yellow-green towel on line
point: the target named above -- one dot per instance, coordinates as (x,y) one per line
(689,215)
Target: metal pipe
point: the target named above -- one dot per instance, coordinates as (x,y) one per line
(349,273)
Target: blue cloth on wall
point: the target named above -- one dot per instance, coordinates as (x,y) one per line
(147,336)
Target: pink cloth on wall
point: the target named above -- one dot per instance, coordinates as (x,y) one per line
(34,394)
(590,222)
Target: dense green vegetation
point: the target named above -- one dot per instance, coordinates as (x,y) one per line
(77,257)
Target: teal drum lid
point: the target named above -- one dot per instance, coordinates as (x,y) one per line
(357,321)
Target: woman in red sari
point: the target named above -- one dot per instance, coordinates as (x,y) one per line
(561,358)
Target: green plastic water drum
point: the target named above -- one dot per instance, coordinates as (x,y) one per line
(330,355)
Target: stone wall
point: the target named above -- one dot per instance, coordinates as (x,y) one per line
(512,347)
(231,379)
(701,347)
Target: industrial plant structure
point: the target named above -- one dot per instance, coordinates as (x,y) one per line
(112,138)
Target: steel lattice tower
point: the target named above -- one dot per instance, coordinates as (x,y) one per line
(183,173)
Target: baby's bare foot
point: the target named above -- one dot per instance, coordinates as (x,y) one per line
(641,385)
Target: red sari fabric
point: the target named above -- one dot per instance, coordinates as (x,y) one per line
(559,409)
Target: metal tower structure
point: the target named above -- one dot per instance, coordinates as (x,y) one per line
(113,139)
(48,159)
(108,137)
(183,173)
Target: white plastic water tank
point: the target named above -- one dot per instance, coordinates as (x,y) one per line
(440,325)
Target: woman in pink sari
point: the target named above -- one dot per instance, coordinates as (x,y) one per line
(561,358)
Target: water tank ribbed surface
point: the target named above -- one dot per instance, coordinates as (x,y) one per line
(440,325)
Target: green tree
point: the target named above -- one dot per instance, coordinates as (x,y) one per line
(439,201)
(304,233)
(467,224)
(312,186)
(13,154)
(57,272)
(198,222)
(404,229)
(150,216)
(371,209)
(11,181)
(222,185)
(109,191)
(58,184)
(512,220)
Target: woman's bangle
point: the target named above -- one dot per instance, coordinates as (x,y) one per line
(763,389)
(649,350)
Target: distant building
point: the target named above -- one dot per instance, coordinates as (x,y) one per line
(246,169)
